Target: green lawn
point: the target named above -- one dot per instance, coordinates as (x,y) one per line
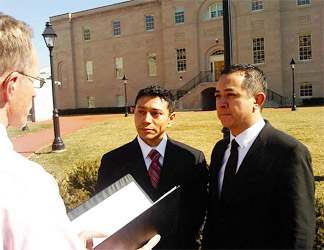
(198,129)
(202,130)
(32,128)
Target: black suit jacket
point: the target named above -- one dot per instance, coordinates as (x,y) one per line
(273,204)
(183,165)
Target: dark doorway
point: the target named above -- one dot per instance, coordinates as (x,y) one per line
(208,99)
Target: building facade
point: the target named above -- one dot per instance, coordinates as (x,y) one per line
(42,105)
(170,42)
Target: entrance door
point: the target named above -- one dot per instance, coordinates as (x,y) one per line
(217,63)
(218,67)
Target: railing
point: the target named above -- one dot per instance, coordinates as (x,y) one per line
(273,96)
(203,76)
(210,76)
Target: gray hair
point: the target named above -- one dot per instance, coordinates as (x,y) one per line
(15,45)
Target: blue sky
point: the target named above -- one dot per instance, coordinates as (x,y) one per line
(37,12)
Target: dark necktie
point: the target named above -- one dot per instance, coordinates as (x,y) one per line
(155,168)
(230,171)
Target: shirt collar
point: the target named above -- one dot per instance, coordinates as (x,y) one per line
(5,142)
(249,134)
(146,149)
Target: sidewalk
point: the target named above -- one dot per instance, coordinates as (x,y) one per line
(29,144)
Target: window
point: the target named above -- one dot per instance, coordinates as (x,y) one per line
(178,15)
(258,50)
(215,10)
(86,33)
(120,100)
(302,2)
(89,71)
(90,102)
(305,47)
(181,60)
(116,28)
(151,64)
(119,67)
(256,5)
(305,89)
(149,21)
(217,53)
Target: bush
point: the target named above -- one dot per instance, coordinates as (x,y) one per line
(318,101)
(319,236)
(79,184)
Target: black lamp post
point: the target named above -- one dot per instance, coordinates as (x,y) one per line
(50,37)
(228,53)
(292,65)
(227,29)
(126,106)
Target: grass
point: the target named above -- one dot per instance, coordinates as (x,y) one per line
(32,128)
(92,142)
(198,129)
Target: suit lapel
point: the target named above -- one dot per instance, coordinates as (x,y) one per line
(168,168)
(256,151)
(216,164)
(250,164)
(136,165)
(219,154)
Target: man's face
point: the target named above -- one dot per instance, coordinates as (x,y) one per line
(234,107)
(152,118)
(21,102)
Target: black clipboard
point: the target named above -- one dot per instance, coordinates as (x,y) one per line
(161,217)
(104,194)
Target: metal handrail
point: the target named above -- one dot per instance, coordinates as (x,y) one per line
(207,76)
(203,76)
(273,96)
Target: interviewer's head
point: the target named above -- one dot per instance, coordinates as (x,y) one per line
(18,58)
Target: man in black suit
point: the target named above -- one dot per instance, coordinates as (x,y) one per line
(175,164)
(261,179)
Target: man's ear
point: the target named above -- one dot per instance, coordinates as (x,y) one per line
(259,99)
(10,86)
(171,119)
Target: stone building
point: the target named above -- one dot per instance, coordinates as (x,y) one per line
(175,42)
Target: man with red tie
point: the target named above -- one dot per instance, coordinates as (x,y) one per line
(159,163)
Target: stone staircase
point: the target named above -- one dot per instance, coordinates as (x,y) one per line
(203,76)
(271,104)
(188,97)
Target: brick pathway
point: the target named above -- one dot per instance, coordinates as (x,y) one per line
(29,144)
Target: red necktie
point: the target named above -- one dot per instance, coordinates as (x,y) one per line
(230,171)
(155,168)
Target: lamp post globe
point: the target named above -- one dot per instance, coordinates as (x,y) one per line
(292,65)
(126,105)
(49,38)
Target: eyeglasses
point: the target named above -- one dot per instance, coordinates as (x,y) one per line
(37,81)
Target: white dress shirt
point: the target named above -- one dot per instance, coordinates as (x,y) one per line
(146,149)
(32,212)
(245,141)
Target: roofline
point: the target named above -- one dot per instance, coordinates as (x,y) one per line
(126,3)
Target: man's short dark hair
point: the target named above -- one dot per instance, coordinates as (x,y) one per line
(157,91)
(255,79)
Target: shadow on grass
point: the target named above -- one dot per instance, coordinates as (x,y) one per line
(44,153)
(319,178)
